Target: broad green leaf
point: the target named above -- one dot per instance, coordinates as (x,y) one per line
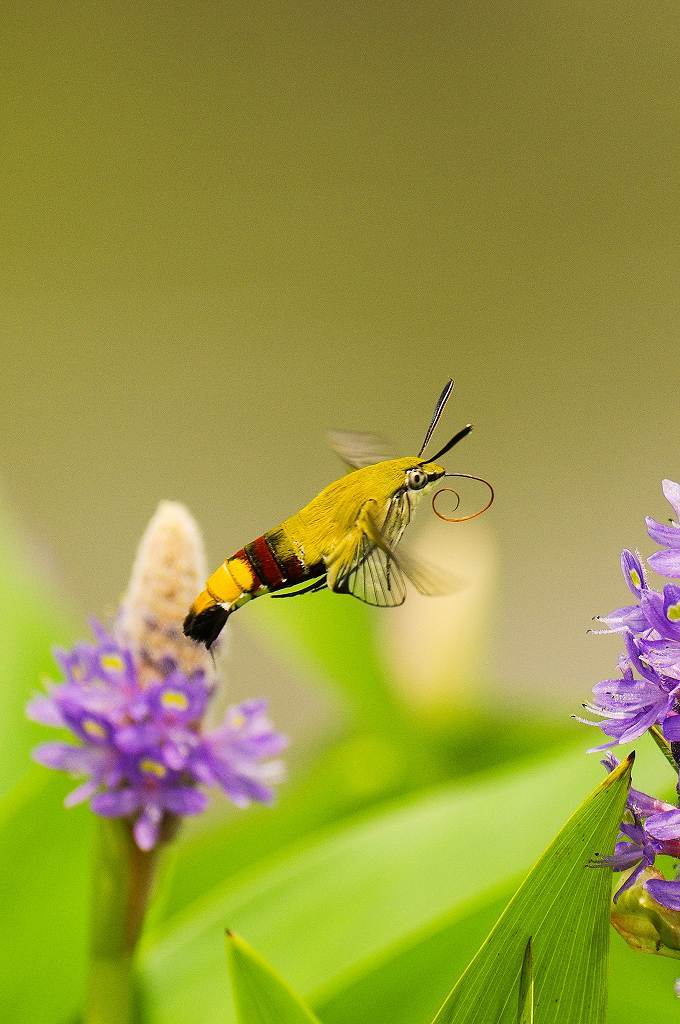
(330,910)
(563,908)
(260,996)
(45,882)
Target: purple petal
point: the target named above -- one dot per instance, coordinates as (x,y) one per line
(634,832)
(663,656)
(147,826)
(633,650)
(174,755)
(671,605)
(665,825)
(630,881)
(633,572)
(625,694)
(629,729)
(645,805)
(666,534)
(671,492)
(666,563)
(116,804)
(630,617)
(625,856)
(44,710)
(664,892)
(133,739)
(81,793)
(671,728)
(64,757)
(184,800)
(660,612)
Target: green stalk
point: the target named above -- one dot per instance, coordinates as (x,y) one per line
(122,884)
(663,745)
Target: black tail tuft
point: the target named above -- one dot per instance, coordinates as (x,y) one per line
(205,627)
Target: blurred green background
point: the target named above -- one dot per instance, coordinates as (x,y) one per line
(228,227)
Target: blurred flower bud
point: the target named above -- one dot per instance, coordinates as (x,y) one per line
(645,924)
(168,571)
(437,647)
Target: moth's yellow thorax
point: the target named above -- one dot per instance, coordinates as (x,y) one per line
(321,525)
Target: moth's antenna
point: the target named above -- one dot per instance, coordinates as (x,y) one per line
(438,410)
(454,440)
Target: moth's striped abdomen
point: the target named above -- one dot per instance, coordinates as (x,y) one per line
(269,563)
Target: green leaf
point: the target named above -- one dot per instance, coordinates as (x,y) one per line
(45,874)
(563,906)
(342,905)
(260,996)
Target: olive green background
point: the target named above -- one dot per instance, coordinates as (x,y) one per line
(227,228)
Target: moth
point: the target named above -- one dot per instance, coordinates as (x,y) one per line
(345,539)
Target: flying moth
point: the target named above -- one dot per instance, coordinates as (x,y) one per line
(345,539)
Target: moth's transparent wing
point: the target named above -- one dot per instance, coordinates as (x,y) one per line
(371,575)
(359,450)
(426,578)
(397,518)
(367,566)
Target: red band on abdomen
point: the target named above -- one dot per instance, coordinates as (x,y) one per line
(266,566)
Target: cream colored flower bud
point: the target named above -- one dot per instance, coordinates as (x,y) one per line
(168,572)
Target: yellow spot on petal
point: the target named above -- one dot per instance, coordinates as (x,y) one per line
(238,720)
(94,729)
(112,662)
(673,612)
(151,767)
(174,699)
(635,578)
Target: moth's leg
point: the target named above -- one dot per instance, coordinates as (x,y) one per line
(341,556)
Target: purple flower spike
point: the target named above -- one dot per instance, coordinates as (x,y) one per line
(649,691)
(646,695)
(142,746)
(135,701)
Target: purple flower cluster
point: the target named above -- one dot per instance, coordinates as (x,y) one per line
(653,830)
(142,747)
(648,691)
(646,694)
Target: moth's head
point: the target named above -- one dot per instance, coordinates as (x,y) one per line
(419,475)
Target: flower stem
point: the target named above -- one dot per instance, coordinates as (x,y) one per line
(663,745)
(122,883)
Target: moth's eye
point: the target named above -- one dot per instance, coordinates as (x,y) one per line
(416,478)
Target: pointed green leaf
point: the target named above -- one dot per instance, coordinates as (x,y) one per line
(563,905)
(260,995)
